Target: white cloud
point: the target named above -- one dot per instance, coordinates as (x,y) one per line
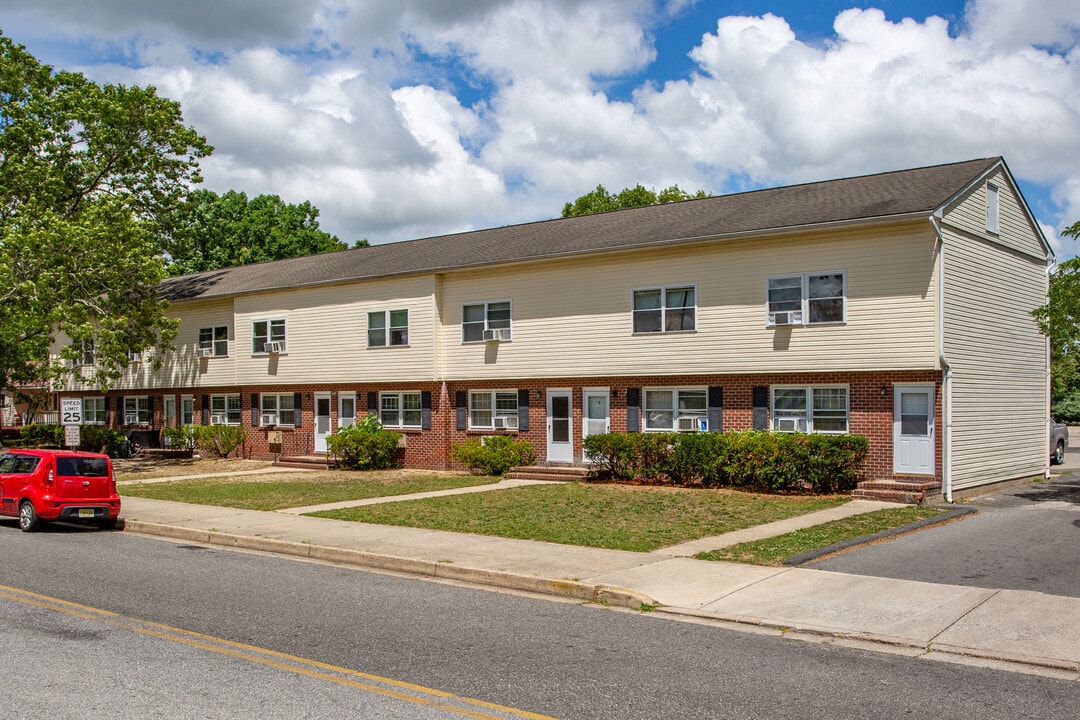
(1014,25)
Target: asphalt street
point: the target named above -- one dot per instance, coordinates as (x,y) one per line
(1020,538)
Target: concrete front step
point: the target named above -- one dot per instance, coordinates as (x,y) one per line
(307,462)
(548,472)
(910,492)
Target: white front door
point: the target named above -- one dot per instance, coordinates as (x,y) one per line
(322,421)
(560,426)
(346,414)
(913,430)
(595,405)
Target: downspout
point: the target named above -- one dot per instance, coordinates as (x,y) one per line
(1050,265)
(946,372)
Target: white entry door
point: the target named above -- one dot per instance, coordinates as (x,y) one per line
(913,430)
(560,426)
(322,421)
(596,407)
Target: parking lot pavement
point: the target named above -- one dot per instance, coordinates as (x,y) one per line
(1021,538)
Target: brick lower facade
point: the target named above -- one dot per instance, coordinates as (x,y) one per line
(870,410)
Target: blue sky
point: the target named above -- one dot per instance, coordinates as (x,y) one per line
(418,117)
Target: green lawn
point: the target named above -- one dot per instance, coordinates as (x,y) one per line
(774,550)
(606,516)
(276,492)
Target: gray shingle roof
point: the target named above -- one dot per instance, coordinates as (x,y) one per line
(885,195)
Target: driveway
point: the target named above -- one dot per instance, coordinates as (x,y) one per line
(1022,538)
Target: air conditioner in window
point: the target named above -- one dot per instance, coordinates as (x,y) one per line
(785,318)
(498,335)
(131,419)
(218,420)
(506,422)
(269,419)
(275,347)
(790,424)
(693,422)
(205,352)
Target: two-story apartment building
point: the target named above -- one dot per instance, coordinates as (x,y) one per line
(895,306)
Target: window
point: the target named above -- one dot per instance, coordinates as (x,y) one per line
(666,407)
(282,407)
(85,352)
(134,356)
(672,309)
(214,340)
(388,327)
(267,331)
(187,409)
(401,410)
(489,409)
(810,409)
(993,224)
(137,410)
(478,318)
(810,298)
(94,410)
(225,410)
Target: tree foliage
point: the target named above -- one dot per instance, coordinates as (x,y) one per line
(218,231)
(1059,320)
(600,200)
(90,176)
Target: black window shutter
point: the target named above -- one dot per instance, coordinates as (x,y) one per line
(461,409)
(523,410)
(716,409)
(150,408)
(108,413)
(121,420)
(761,407)
(298,404)
(254,409)
(373,403)
(633,409)
(205,402)
(425,410)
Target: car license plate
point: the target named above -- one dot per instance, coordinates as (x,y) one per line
(86,512)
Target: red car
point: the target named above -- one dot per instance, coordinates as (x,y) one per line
(43,485)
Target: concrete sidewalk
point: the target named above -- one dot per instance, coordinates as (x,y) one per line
(1008,629)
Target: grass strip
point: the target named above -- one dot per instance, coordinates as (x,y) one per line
(276,493)
(617,517)
(773,551)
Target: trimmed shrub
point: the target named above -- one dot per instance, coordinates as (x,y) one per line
(36,434)
(219,440)
(180,438)
(698,459)
(364,446)
(96,438)
(613,452)
(495,455)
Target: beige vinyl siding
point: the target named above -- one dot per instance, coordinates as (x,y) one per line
(998,359)
(1015,231)
(326,333)
(572,318)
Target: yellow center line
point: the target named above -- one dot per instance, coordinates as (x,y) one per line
(408,692)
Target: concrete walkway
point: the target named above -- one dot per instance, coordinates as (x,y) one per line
(1007,629)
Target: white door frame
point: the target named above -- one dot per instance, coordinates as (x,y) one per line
(913,454)
(323,429)
(561,450)
(591,393)
(343,419)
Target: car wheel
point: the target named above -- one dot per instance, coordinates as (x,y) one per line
(107,524)
(1059,454)
(28,519)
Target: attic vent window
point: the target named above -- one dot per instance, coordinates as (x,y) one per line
(992,210)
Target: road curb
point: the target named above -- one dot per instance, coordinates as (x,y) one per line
(573,589)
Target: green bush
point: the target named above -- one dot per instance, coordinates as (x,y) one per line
(364,446)
(613,452)
(698,458)
(36,434)
(180,438)
(219,440)
(495,455)
(1067,409)
(96,438)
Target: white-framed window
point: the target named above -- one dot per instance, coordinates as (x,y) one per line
(137,410)
(400,409)
(668,409)
(346,409)
(478,319)
(281,407)
(807,298)
(993,209)
(813,408)
(94,410)
(85,350)
(187,409)
(387,328)
(134,356)
(665,309)
(225,410)
(214,340)
(489,409)
(264,332)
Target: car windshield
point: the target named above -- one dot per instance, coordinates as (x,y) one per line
(82,467)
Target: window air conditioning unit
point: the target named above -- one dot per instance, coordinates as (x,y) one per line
(790,424)
(498,335)
(206,352)
(785,318)
(506,422)
(693,422)
(269,419)
(131,419)
(218,420)
(275,347)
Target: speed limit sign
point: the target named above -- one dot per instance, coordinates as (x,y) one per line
(70,411)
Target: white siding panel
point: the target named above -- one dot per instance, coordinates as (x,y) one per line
(968,214)
(572,318)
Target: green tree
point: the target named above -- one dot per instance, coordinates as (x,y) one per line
(600,200)
(90,177)
(1059,320)
(218,231)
